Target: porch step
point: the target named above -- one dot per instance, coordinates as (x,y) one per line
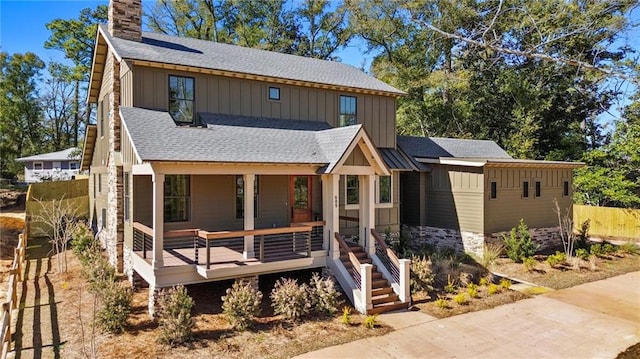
(376,292)
(385,298)
(379,283)
(363,260)
(387,307)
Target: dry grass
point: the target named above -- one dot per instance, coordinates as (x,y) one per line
(568,276)
(272,337)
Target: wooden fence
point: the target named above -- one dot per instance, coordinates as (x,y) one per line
(11,303)
(608,222)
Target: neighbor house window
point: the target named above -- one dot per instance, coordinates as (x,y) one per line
(240,197)
(177,194)
(127,199)
(565,188)
(538,190)
(274,93)
(347,111)
(73,166)
(352,191)
(525,189)
(384,189)
(181,98)
(38,166)
(57,166)
(494,190)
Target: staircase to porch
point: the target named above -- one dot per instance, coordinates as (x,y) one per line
(383,297)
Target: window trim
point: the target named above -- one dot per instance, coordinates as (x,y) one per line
(525,194)
(188,196)
(41,166)
(193,101)
(493,190)
(99,182)
(537,190)
(355,110)
(379,204)
(269,88)
(347,205)
(126,196)
(256,196)
(76,164)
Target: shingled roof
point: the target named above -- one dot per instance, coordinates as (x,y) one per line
(70,154)
(224,57)
(236,139)
(437,147)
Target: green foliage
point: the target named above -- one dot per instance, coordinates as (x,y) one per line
(556,259)
(493,289)
(174,316)
(519,244)
(505,283)
(83,243)
(346,315)
(370,321)
(472,290)
(324,296)
(116,307)
(629,248)
(241,304)
(484,281)
(582,254)
(608,248)
(421,275)
(583,235)
(290,299)
(451,285)
(596,250)
(100,273)
(442,303)
(529,263)
(460,299)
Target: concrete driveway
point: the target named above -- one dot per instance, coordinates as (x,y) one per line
(594,320)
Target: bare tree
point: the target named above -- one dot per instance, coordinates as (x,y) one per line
(565,221)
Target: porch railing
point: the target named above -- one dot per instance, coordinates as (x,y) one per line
(386,256)
(354,271)
(176,239)
(317,233)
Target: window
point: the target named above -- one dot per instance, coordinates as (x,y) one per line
(177,194)
(101,116)
(537,188)
(565,188)
(384,189)
(103,218)
(38,166)
(57,165)
(240,197)
(525,189)
(94,186)
(347,111)
(99,182)
(494,190)
(274,93)
(73,165)
(181,90)
(353,194)
(126,189)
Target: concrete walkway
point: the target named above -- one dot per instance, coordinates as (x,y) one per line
(594,320)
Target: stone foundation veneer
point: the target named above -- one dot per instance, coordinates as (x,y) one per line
(546,238)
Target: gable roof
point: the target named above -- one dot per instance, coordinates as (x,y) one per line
(237,139)
(202,54)
(437,147)
(64,155)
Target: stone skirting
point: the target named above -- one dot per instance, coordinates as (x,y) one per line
(546,238)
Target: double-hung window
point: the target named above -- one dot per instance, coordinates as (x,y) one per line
(352,190)
(38,166)
(347,111)
(384,190)
(240,197)
(181,98)
(177,198)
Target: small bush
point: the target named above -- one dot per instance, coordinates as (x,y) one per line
(370,321)
(241,303)
(442,303)
(100,273)
(596,250)
(629,248)
(116,307)
(290,299)
(493,289)
(505,283)
(451,285)
(556,259)
(484,281)
(472,290)
(460,298)
(582,254)
(491,254)
(529,264)
(346,315)
(83,243)
(519,244)
(324,296)
(608,248)
(583,235)
(421,276)
(174,316)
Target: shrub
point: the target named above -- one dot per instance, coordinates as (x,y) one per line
(370,321)
(529,264)
(629,248)
(421,276)
(583,235)
(174,316)
(491,254)
(460,298)
(116,307)
(241,303)
(556,259)
(596,250)
(100,273)
(442,303)
(493,289)
(290,299)
(346,315)
(83,243)
(608,248)
(505,283)
(484,281)
(472,290)
(582,254)
(518,244)
(324,296)
(451,286)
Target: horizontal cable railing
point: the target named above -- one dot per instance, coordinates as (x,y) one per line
(317,233)
(386,256)
(355,263)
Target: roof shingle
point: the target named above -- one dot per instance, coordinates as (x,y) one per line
(436,147)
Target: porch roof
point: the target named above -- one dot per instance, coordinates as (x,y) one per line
(237,139)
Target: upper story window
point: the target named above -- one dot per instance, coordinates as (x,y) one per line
(38,166)
(348,106)
(181,98)
(177,198)
(274,93)
(525,189)
(384,189)
(353,193)
(494,190)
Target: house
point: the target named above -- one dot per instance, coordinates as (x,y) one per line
(60,165)
(211,162)
(465,192)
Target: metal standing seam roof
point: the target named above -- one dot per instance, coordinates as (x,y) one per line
(239,139)
(224,57)
(437,147)
(395,160)
(64,155)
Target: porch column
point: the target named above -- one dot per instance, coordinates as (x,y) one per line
(158,219)
(331,213)
(367,212)
(249,183)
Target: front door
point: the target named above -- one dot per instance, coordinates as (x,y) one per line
(300,198)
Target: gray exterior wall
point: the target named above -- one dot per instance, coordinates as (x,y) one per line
(48,171)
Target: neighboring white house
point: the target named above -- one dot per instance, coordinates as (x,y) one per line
(61,165)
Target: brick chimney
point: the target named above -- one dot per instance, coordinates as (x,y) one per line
(125,19)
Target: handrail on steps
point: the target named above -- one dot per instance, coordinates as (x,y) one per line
(352,257)
(383,245)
